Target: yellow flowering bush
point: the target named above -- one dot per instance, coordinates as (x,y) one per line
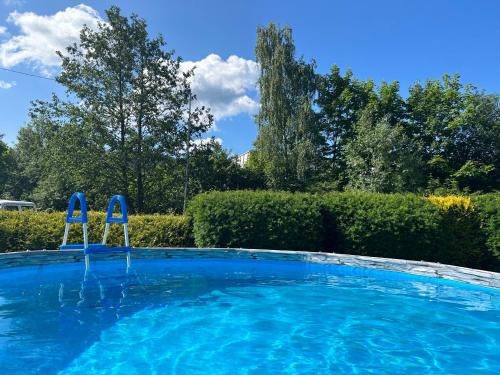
(452,201)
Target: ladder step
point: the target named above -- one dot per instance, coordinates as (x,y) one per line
(107,249)
(78,246)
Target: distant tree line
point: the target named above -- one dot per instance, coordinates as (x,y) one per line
(127,126)
(335,132)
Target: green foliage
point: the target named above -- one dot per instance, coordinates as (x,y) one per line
(30,230)
(56,157)
(407,226)
(159,231)
(488,206)
(213,168)
(341,102)
(456,128)
(288,139)
(387,104)
(403,226)
(137,97)
(381,158)
(271,220)
(393,226)
(474,175)
(340,99)
(127,124)
(459,129)
(461,240)
(6,166)
(323,187)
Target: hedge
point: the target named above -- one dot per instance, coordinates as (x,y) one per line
(445,230)
(380,225)
(31,230)
(453,230)
(488,207)
(271,220)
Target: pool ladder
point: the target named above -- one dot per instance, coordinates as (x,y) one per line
(83,219)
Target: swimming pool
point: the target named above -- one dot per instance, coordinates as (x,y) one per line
(242,316)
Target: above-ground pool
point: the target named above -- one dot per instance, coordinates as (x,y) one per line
(240,316)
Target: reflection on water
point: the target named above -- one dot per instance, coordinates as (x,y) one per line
(190,311)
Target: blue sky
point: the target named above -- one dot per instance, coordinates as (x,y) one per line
(381,40)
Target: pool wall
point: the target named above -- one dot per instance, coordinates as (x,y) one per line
(437,270)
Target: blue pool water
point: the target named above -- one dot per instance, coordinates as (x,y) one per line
(242,317)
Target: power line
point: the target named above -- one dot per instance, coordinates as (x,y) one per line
(27,74)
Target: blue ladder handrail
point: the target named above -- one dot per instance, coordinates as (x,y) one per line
(78,196)
(123,209)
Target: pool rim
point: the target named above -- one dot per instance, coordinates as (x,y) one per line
(421,268)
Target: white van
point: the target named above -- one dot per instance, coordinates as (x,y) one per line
(16,205)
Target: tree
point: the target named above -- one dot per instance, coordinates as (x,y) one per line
(6,166)
(381,158)
(135,97)
(58,153)
(387,104)
(340,101)
(474,150)
(213,168)
(459,128)
(287,139)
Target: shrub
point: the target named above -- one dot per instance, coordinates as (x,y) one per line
(453,230)
(30,230)
(406,226)
(452,202)
(460,240)
(383,225)
(270,220)
(488,206)
(160,231)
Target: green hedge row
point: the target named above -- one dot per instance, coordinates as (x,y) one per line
(30,230)
(454,230)
(488,208)
(271,220)
(406,227)
(450,230)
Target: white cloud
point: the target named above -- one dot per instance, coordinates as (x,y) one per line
(193,144)
(206,141)
(3,30)
(41,36)
(6,85)
(225,86)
